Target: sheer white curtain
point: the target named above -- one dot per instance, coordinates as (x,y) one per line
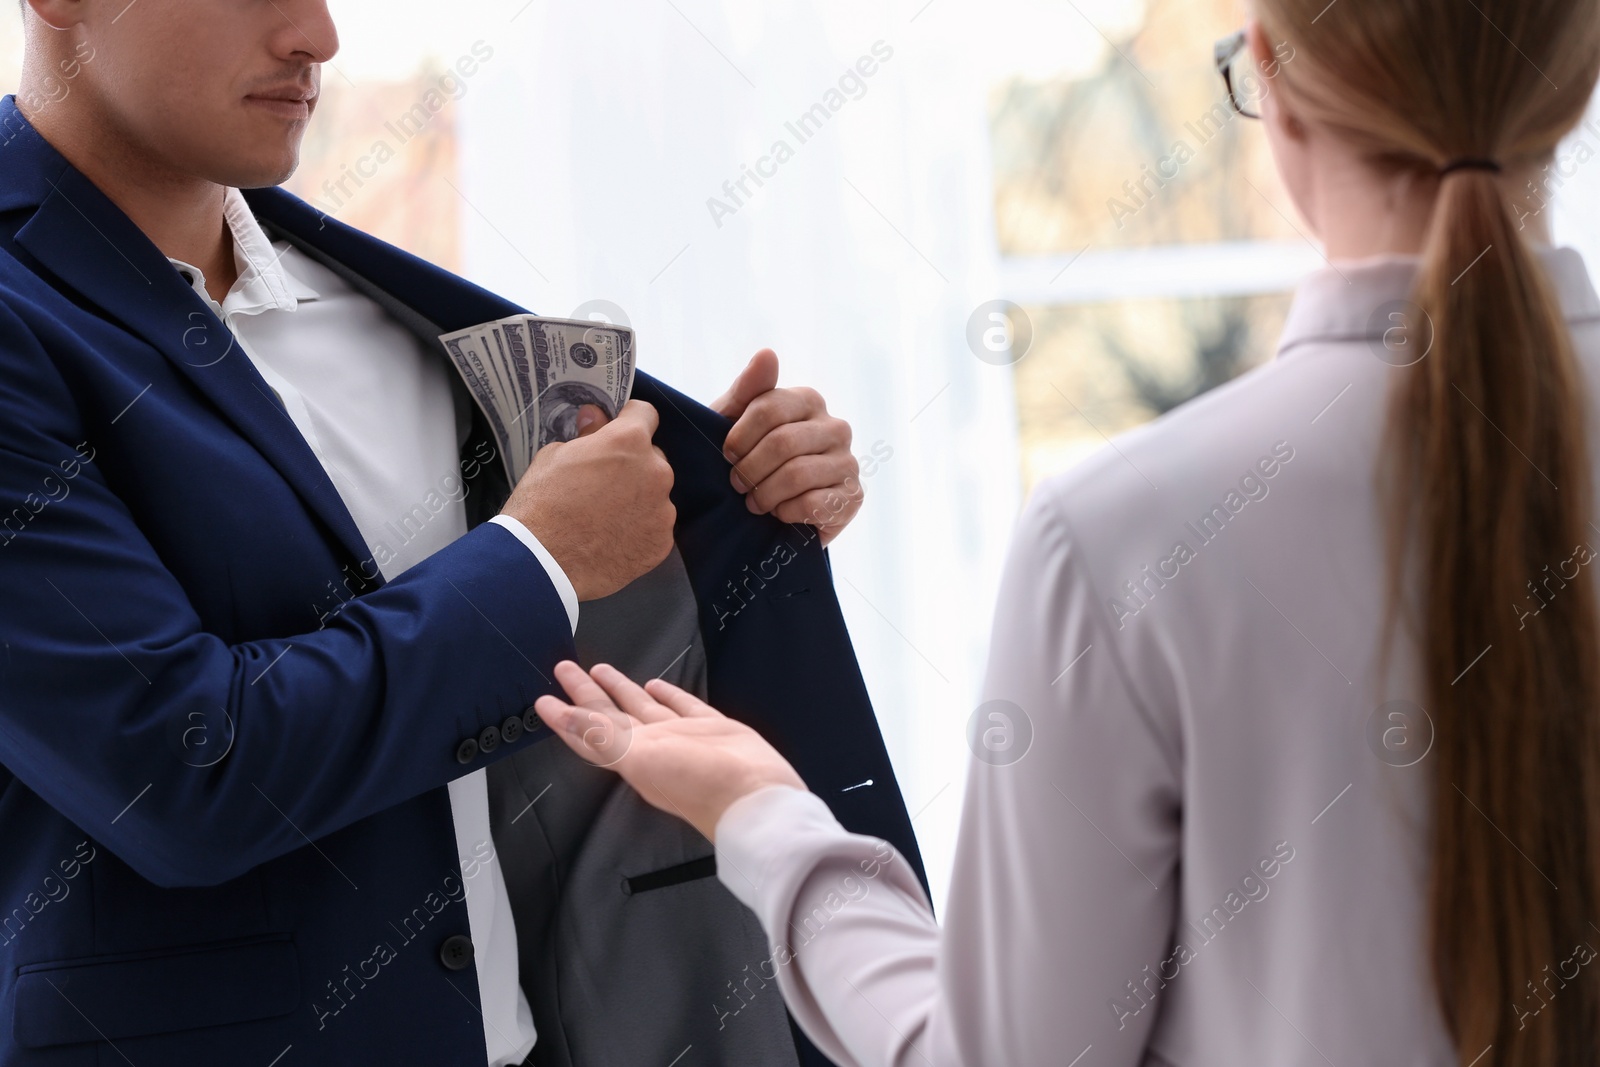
(591,146)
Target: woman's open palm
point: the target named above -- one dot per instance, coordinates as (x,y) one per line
(681,754)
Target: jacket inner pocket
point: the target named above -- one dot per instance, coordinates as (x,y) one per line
(704,867)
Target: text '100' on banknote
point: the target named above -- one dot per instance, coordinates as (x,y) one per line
(530,375)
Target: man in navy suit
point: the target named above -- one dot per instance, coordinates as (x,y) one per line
(272,611)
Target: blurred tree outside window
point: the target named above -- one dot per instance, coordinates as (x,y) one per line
(1142,227)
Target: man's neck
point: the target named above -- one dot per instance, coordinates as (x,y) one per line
(182,215)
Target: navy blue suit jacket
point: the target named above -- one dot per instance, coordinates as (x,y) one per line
(224,741)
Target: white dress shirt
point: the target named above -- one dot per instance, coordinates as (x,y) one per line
(377,409)
(1213,849)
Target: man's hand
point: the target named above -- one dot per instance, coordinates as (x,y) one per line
(600,503)
(682,755)
(790,458)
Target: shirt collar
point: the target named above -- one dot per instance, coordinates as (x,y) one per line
(265,282)
(1358,300)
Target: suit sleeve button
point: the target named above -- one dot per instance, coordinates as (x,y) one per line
(488,739)
(456,952)
(511,729)
(467,751)
(531,720)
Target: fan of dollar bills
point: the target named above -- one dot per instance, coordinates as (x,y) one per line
(530,376)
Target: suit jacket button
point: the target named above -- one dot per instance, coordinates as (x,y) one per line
(511,729)
(456,952)
(531,720)
(467,751)
(488,740)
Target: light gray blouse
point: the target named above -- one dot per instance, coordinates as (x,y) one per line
(1196,832)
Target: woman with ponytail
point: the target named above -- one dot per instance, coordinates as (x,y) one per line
(1289,750)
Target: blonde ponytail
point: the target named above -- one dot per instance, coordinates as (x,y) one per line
(1488,488)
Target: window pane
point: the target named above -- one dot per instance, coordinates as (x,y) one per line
(1143,149)
(1098,369)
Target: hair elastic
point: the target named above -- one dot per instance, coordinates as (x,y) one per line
(1470,164)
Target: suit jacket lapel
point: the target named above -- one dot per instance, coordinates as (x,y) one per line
(94,249)
(487,486)
(712,521)
(721,542)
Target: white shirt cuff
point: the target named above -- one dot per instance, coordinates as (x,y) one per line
(558,577)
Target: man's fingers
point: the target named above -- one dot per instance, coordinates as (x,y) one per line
(590,418)
(804,474)
(759,376)
(826,509)
(637,411)
(810,438)
(768,412)
(629,696)
(684,703)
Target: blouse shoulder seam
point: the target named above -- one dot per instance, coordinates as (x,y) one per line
(1170,746)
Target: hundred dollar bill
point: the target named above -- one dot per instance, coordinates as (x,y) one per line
(530,375)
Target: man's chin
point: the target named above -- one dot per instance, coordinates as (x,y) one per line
(259,173)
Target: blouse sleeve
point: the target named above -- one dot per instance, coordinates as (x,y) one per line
(1062,899)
